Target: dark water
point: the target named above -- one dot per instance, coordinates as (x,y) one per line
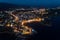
(48,33)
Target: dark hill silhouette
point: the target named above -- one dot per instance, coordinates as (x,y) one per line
(5,6)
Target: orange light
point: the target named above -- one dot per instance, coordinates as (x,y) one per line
(27,27)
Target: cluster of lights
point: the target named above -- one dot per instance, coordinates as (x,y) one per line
(26,29)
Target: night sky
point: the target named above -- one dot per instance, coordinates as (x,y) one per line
(43,3)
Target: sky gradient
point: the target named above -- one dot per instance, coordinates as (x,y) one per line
(33,2)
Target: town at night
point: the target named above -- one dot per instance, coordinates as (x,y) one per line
(27,21)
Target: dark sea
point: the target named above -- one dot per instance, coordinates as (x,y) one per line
(48,33)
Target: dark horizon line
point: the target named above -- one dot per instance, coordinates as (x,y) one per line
(3,5)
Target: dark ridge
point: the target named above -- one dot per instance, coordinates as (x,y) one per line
(6,6)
